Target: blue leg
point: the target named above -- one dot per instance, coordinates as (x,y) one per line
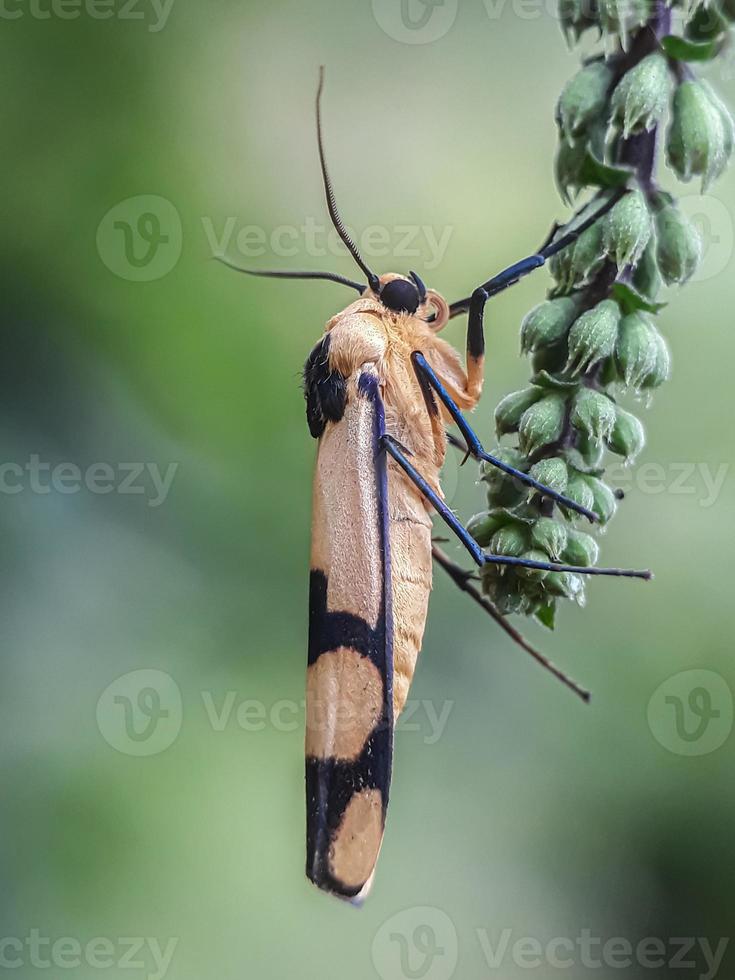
(393,448)
(474,446)
(476,303)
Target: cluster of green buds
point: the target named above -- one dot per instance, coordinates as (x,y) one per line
(595,338)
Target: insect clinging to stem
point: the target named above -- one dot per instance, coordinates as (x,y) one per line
(381,385)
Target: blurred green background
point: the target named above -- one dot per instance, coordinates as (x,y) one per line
(523,810)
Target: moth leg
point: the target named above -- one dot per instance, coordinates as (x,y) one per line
(463,580)
(474,446)
(475,304)
(392,447)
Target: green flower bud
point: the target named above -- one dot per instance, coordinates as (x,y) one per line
(547,323)
(542,423)
(483,526)
(627,229)
(637,349)
(564,584)
(583,98)
(550,536)
(593,414)
(552,473)
(628,436)
(604,503)
(504,490)
(537,574)
(661,371)
(581,549)
(646,278)
(510,541)
(697,139)
(579,491)
(678,245)
(641,97)
(592,336)
(510,410)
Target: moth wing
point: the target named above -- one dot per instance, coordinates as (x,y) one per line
(349,702)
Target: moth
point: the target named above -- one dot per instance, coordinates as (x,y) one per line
(381,387)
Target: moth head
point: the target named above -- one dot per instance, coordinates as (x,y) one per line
(400,294)
(408,294)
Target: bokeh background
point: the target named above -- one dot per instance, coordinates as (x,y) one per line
(522,813)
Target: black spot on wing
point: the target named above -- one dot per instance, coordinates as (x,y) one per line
(325,390)
(330,785)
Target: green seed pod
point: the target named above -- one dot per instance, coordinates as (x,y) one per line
(550,536)
(587,455)
(628,436)
(678,245)
(509,412)
(552,473)
(568,164)
(647,278)
(510,541)
(696,142)
(661,371)
(504,490)
(641,97)
(592,336)
(564,584)
(637,349)
(547,323)
(579,491)
(542,423)
(593,414)
(604,503)
(535,574)
(723,112)
(581,549)
(483,526)
(583,98)
(588,254)
(627,229)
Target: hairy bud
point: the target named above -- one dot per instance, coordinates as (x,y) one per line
(637,349)
(627,437)
(627,229)
(509,412)
(593,414)
(584,97)
(542,423)
(697,141)
(641,97)
(592,336)
(678,245)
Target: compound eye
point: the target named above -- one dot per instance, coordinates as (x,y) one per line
(400,295)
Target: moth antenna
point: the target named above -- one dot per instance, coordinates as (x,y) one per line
(339,227)
(462,579)
(419,285)
(286,274)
